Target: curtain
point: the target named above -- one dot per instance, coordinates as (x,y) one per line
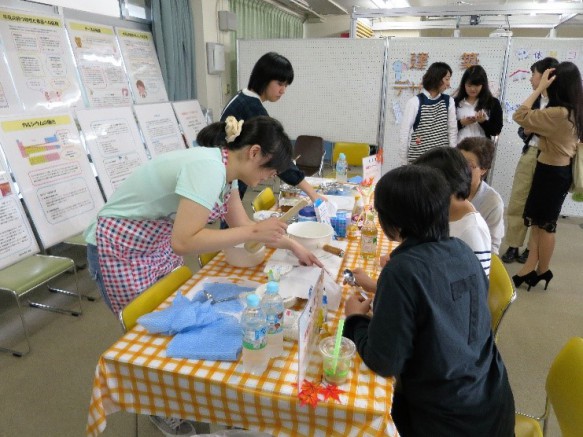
(174,40)
(257,19)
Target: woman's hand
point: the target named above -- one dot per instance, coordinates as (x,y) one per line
(356,304)
(481,116)
(545,80)
(466,121)
(365,281)
(269,231)
(305,257)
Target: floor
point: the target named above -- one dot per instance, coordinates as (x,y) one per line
(47,392)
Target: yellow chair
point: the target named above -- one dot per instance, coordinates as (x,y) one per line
(354,152)
(205,258)
(501,292)
(564,389)
(264,200)
(153,296)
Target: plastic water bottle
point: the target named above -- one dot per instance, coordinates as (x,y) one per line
(341,168)
(272,305)
(253,322)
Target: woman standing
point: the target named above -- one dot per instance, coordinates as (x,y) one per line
(159,213)
(270,77)
(479,113)
(559,126)
(429,118)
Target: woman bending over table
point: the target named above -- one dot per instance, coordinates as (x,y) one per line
(559,126)
(431,323)
(159,213)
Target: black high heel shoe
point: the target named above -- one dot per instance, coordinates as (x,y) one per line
(530,278)
(546,276)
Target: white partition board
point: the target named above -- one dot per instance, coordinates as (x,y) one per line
(409,58)
(16,238)
(523,53)
(113,140)
(191,119)
(159,127)
(52,170)
(336,92)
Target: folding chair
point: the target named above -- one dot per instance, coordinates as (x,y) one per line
(354,152)
(264,200)
(310,150)
(501,292)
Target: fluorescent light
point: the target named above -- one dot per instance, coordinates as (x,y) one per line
(400,4)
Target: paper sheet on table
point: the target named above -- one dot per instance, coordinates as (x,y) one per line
(345,203)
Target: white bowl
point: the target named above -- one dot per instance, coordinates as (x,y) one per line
(238,256)
(311,235)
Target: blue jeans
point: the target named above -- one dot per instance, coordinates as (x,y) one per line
(95,272)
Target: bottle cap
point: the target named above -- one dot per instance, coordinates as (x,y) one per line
(253,300)
(341,156)
(272,287)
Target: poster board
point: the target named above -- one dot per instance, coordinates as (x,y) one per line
(409,58)
(523,53)
(159,127)
(40,60)
(336,91)
(99,63)
(113,140)
(53,173)
(191,119)
(9,101)
(16,238)
(141,63)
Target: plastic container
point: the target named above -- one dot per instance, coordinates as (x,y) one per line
(254,357)
(369,237)
(341,168)
(340,222)
(307,214)
(336,369)
(272,305)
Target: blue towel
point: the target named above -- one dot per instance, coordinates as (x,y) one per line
(355,180)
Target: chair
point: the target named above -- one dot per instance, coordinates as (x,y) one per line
(564,387)
(354,152)
(205,258)
(152,297)
(264,200)
(310,150)
(24,276)
(501,292)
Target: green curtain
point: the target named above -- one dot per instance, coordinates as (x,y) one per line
(257,19)
(174,40)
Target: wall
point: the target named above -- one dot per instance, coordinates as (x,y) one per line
(332,27)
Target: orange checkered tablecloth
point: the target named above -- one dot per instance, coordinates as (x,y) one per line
(135,375)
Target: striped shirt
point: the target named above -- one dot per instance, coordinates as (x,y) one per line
(432,129)
(472,229)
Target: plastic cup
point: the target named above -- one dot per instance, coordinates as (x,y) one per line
(337,369)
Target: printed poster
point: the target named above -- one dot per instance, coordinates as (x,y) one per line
(40,60)
(113,140)
(160,128)
(191,119)
(99,64)
(9,102)
(53,173)
(141,62)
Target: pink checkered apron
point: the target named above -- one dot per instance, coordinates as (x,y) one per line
(134,254)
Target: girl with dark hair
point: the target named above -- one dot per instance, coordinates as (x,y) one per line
(159,213)
(430,325)
(270,77)
(559,127)
(429,117)
(479,113)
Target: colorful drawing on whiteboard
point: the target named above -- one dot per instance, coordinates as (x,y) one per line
(468,59)
(522,54)
(419,61)
(510,108)
(407,85)
(399,67)
(519,74)
(537,55)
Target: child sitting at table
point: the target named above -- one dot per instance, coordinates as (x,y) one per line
(431,323)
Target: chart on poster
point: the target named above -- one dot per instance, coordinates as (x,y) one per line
(160,128)
(191,119)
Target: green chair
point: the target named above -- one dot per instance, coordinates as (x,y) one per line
(24,276)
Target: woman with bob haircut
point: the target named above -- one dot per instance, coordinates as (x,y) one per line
(430,325)
(429,119)
(479,113)
(270,77)
(559,127)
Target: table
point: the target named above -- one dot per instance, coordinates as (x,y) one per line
(135,375)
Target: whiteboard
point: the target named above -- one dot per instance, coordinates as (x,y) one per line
(336,92)
(409,58)
(523,53)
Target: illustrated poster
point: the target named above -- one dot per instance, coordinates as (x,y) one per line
(191,119)
(100,64)
(141,62)
(160,128)
(40,61)
(53,173)
(113,140)
(9,102)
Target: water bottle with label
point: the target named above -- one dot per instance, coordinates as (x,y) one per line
(254,357)
(272,304)
(341,168)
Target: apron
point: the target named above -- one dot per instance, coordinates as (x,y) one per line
(134,253)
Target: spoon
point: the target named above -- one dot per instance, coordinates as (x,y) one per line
(214,301)
(349,277)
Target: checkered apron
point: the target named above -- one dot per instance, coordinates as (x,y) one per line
(134,254)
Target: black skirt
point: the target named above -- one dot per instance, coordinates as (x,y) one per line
(550,185)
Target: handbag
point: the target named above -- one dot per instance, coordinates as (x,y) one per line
(577,165)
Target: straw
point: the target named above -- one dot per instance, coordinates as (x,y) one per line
(337,344)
